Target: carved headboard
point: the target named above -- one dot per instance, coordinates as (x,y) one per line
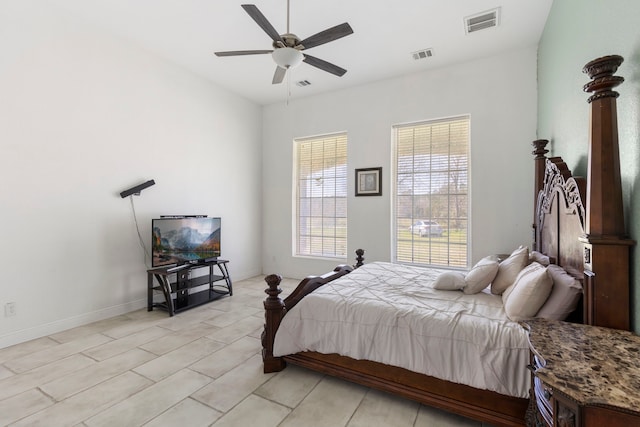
(580,223)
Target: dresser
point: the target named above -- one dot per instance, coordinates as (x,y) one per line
(583,376)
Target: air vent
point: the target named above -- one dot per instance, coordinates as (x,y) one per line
(482,21)
(422,54)
(303,83)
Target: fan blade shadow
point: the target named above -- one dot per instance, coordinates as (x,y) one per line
(327,36)
(324,65)
(260,19)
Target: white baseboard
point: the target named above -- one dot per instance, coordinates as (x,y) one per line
(39,331)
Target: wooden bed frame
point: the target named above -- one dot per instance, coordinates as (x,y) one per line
(579,223)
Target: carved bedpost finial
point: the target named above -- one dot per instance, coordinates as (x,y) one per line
(600,71)
(274,310)
(359,258)
(273,281)
(540,149)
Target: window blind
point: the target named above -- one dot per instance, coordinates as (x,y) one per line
(321,196)
(432,192)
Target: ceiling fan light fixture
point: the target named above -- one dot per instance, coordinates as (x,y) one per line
(287,57)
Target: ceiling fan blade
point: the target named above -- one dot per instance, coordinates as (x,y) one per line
(242,52)
(324,65)
(327,36)
(278,76)
(260,19)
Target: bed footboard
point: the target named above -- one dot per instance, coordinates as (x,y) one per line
(275,308)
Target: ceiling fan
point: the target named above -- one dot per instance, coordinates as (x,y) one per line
(287,47)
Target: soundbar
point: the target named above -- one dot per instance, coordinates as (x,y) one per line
(137,189)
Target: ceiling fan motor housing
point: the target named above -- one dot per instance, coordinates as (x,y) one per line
(290,40)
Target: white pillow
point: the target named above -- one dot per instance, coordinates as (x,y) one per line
(564,297)
(480,275)
(449,281)
(508,270)
(528,293)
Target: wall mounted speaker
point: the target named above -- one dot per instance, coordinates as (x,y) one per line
(137,189)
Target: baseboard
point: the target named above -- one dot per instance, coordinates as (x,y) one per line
(39,331)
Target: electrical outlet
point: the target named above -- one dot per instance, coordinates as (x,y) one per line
(10,309)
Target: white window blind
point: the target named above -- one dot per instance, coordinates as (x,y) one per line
(321,196)
(431,204)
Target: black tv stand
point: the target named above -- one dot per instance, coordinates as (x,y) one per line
(177,283)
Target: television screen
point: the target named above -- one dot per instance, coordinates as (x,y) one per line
(182,240)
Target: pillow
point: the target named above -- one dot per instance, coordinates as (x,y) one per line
(480,275)
(528,293)
(449,281)
(540,258)
(564,297)
(508,270)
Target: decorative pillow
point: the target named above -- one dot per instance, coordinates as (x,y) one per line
(540,258)
(508,270)
(449,281)
(528,293)
(480,275)
(564,297)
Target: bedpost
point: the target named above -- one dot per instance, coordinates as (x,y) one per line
(606,247)
(274,310)
(540,164)
(359,258)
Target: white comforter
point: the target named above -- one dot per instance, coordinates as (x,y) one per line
(390,313)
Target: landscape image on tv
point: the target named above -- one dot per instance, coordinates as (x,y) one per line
(182,240)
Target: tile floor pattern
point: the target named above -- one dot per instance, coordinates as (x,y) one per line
(201,367)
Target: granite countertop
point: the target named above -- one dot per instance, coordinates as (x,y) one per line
(592,365)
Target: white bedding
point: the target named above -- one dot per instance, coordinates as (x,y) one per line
(390,313)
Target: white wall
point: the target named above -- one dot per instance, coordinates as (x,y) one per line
(499,94)
(84,116)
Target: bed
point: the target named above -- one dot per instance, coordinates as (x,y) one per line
(578,226)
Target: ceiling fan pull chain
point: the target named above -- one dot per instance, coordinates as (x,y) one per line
(288,87)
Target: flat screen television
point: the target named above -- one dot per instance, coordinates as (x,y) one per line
(181,240)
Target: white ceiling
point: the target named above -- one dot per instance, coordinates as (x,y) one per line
(187,32)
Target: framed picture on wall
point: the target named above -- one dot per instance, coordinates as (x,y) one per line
(369,182)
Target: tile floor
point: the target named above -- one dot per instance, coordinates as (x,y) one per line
(201,367)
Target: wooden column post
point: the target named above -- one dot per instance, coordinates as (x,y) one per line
(606,256)
(539,162)
(274,310)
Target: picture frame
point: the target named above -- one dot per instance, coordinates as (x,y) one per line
(369,182)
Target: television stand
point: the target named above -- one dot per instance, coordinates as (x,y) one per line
(178,286)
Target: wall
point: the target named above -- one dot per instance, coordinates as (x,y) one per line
(84,116)
(499,93)
(576,32)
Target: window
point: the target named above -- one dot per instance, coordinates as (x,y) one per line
(321,196)
(431,193)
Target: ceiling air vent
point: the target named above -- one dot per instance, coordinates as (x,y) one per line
(303,83)
(422,54)
(482,21)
